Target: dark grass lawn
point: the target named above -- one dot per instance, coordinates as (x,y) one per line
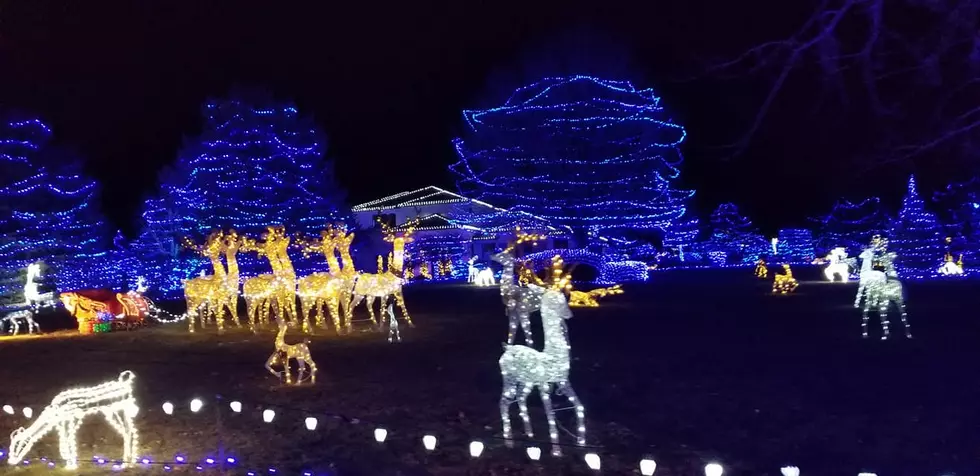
(695,366)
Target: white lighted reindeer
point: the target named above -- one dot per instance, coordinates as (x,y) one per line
(34,298)
(524,368)
(113,399)
(837,266)
(485,277)
(14,319)
(519,301)
(473,270)
(881,294)
(868,276)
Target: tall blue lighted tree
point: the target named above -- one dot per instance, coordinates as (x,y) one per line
(735,235)
(850,225)
(258,162)
(597,155)
(916,236)
(48,214)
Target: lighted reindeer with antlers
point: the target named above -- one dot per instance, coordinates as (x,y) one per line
(207,294)
(321,291)
(385,284)
(519,301)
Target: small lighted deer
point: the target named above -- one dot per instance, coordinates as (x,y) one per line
(285,352)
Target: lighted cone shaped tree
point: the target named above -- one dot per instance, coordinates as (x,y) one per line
(916,237)
(258,162)
(596,155)
(735,235)
(48,213)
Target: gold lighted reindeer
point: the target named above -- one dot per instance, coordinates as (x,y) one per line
(277,288)
(321,291)
(285,352)
(206,294)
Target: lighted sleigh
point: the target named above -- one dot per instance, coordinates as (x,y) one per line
(102,310)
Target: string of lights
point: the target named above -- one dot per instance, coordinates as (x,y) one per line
(734,239)
(849,225)
(795,245)
(224,459)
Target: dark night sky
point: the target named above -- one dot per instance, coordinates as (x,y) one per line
(123,82)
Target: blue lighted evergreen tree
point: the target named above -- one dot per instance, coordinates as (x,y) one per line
(916,236)
(962,201)
(735,235)
(258,162)
(850,225)
(597,155)
(48,214)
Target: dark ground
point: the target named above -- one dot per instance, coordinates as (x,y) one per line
(693,367)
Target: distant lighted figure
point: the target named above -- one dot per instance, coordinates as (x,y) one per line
(473,270)
(32,296)
(761,270)
(837,265)
(485,277)
(774,242)
(951,267)
(784,283)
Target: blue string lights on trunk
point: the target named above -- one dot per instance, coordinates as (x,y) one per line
(257,163)
(917,237)
(593,154)
(48,214)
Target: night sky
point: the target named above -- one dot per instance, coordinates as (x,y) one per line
(123,83)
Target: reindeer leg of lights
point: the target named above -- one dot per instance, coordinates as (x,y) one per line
(522,408)
(394,335)
(545,391)
(400,301)
(507,397)
(883,313)
(900,305)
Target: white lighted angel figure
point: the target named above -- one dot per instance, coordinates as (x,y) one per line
(951,267)
(837,265)
(485,277)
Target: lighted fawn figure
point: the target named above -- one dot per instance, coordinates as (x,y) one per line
(206,293)
(285,352)
(519,301)
(394,335)
(523,369)
(785,282)
(869,275)
(881,294)
(321,291)
(761,270)
(485,277)
(114,400)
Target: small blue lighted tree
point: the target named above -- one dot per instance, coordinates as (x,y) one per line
(48,213)
(916,236)
(597,155)
(256,163)
(734,235)
(795,245)
(850,225)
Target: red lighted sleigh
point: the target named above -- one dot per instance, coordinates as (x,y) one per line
(102,310)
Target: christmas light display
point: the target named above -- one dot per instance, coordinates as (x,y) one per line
(113,399)
(734,237)
(398,239)
(951,267)
(519,301)
(560,278)
(916,236)
(285,352)
(837,265)
(796,245)
(523,369)
(761,270)
(849,225)
(868,275)
(394,335)
(581,151)
(784,282)
(257,162)
(578,298)
(48,214)
(962,202)
(472,270)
